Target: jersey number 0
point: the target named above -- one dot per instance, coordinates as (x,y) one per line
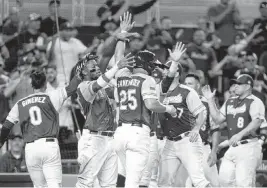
(35,115)
(128,99)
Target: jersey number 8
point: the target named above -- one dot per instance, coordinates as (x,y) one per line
(35,115)
(128,99)
(240,122)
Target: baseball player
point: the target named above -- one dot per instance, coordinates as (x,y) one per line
(96,156)
(244,114)
(38,116)
(138,99)
(183,144)
(207,130)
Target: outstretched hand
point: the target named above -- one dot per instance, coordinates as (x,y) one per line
(127,61)
(126,23)
(207,92)
(178,51)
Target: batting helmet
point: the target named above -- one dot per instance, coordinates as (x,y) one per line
(82,62)
(145,60)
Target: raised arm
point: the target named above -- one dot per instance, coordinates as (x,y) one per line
(175,55)
(216,115)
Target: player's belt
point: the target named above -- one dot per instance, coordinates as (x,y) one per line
(132,124)
(177,138)
(241,142)
(102,133)
(152,134)
(46,140)
(160,137)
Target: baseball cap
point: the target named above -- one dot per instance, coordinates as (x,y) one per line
(66,26)
(51,2)
(243,79)
(34,17)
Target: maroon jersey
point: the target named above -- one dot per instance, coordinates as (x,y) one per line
(96,108)
(240,112)
(188,105)
(38,114)
(132,90)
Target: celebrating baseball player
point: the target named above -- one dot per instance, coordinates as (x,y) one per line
(137,97)
(183,144)
(244,114)
(207,130)
(38,117)
(97,158)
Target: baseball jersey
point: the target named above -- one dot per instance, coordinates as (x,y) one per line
(240,112)
(96,107)
(132,90)
(188,105)
(38,114)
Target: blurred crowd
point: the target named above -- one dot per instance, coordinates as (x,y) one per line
(221,48)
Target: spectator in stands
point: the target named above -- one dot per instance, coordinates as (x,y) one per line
(203,57)
(33,31)
(12,25)
(260,40)
(14,159)
(225,16)
(48,25)
(64,52)
(4,94)
(114,6)
(158,40)
(65,119)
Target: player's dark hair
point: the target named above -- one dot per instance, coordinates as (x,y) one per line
(38,79)
(192,75)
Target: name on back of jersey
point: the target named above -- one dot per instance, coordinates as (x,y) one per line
(173,99)
(131,82)
(33,100)
(234,111)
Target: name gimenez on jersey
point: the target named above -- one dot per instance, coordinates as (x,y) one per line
(33,100)
(132,82)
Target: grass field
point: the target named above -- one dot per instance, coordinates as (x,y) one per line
(181,11)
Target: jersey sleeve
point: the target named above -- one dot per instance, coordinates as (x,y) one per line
(194,103)
(86,89)
(13,115)
(148,89)
(257,110)
(58,97)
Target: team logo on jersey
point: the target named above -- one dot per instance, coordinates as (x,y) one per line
(235,111)
(173,99)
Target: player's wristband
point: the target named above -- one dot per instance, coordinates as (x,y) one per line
(103,81)
(168,109)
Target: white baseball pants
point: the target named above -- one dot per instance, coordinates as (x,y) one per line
(211,173)
(97,160)
(152,163)
(239,165)
(132,147)
(43,161)
(183,152)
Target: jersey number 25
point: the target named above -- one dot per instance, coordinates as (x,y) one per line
(35,115)
(128,99)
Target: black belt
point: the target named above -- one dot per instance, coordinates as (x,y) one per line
(102,133)
(132,124)
(241,142)
(152,134)
(160,137)
(180,137)
(46,139)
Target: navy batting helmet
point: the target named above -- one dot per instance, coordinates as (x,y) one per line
(145,60)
